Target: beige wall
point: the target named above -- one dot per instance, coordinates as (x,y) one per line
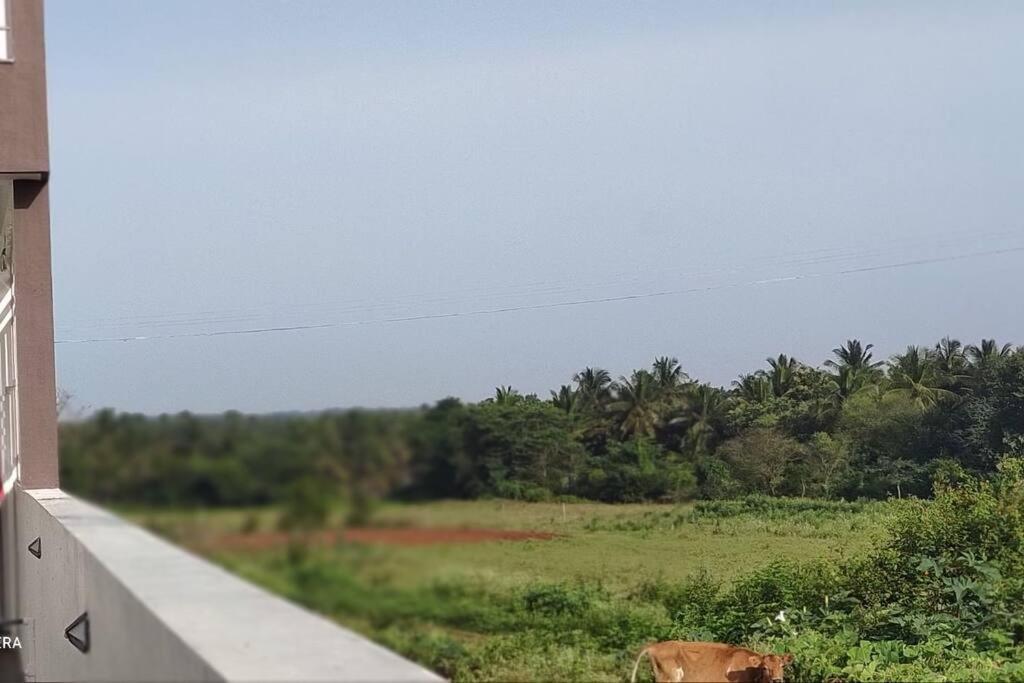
(24,150)
(33,301)
(23,132)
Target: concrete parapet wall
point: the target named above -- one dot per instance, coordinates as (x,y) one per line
(156,612)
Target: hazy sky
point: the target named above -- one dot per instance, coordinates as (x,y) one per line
(237,165)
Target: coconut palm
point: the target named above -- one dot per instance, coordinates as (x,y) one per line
(635,404)
(566,398)
(853,368)
(984,354)
(754,387)
(708,406)
(506,395)
(950,357)
(916,375)
(855,356)
(849,381)
(593,386)
(668,374)
(702,414)
(781,373)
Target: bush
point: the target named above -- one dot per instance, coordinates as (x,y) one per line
(306,505)
(983,516)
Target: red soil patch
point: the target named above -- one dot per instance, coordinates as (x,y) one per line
(403,536)
(431,536)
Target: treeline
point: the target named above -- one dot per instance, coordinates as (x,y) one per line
(856,427)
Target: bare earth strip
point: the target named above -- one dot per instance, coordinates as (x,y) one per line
(405,536)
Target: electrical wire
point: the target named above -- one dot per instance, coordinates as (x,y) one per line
(551,305)
(481,295)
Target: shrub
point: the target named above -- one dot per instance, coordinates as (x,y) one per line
(983,516)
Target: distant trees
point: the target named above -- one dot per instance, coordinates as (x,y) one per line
(855,427)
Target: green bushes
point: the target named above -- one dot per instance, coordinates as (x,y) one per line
(983,516)
(769,507)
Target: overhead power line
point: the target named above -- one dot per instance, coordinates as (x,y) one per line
(491,294)
(550,305)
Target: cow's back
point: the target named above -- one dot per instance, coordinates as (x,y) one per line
(681,661)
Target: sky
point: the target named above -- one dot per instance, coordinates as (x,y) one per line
(453,196)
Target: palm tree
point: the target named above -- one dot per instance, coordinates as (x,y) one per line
(593,386)
(915,374)
(566,398)
(853,368)
(754,387)
(635,404)
(983,355)
(951,359)
(848,381)
(781,373)
(506,395)
(853,355)
(668,374)
(702,415)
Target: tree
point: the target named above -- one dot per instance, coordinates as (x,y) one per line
(885,432)
(525,449)
(829,458)
(915,374)
(844,430)
(754,388)
(669,377)
(506,395)
(702,415)
(951,365)
(761,459)
(635,404)
(986,353)
(995,408)
(565,399)
(443,464)
(636,470)
(855,356)
(781,373)
(593,386)
(854,369)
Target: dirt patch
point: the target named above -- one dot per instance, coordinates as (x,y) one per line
(402,536)
(431,536)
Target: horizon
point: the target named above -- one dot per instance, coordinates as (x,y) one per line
(76,413)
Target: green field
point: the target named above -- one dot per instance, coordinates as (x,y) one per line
(486,610)
(618,545)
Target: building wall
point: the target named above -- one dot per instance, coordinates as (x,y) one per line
(23,128)
(24,150)
(33,314)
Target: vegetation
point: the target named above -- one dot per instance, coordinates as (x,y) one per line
(593,542)
(861,591)
(866,516)
(854,428)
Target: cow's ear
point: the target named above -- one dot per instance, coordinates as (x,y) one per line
(755,661)
(787,658)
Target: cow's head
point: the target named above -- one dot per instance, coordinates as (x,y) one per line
(771,667)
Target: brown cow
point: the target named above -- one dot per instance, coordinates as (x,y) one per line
(676,661)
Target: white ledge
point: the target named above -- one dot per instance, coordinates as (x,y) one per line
(158,612)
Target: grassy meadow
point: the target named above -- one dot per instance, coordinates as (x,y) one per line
(606,582)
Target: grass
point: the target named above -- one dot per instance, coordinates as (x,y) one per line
(617,545)
(572,608)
